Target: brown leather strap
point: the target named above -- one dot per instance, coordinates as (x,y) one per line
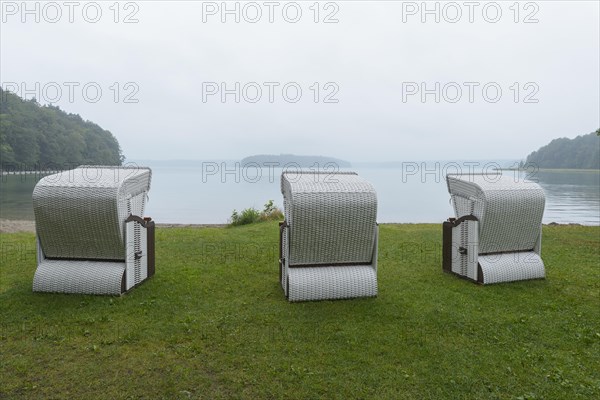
(137,219)
(458,221)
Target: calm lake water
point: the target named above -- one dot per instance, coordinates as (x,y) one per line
(207,192)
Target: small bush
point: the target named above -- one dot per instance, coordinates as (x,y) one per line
(252,215)
(247,216)
(271,212)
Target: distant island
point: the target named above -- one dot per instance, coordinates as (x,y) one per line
(582,152)
(282,160)
(39,137)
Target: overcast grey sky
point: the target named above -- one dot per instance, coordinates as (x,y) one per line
(362,81)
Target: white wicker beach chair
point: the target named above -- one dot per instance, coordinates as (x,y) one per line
(91,236)
(497,233)
(328,241)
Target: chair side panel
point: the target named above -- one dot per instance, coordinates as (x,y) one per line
(511,221)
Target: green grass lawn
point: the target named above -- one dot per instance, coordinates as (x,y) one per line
(213,323)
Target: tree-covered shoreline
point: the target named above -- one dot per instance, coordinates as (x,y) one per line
(582,152)
(36,137)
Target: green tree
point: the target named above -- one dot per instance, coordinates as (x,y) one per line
(582,152)
(33,135)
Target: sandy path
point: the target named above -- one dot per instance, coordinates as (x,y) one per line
(12,226)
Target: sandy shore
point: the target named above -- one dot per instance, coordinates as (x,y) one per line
(12,226)
(191,225)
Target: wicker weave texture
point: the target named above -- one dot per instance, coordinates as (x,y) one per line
(509,267)
(331,221)
(465,237)
(510,212)
(136,257)
(331,218)
(83,277)
(81,213)
(336,282)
